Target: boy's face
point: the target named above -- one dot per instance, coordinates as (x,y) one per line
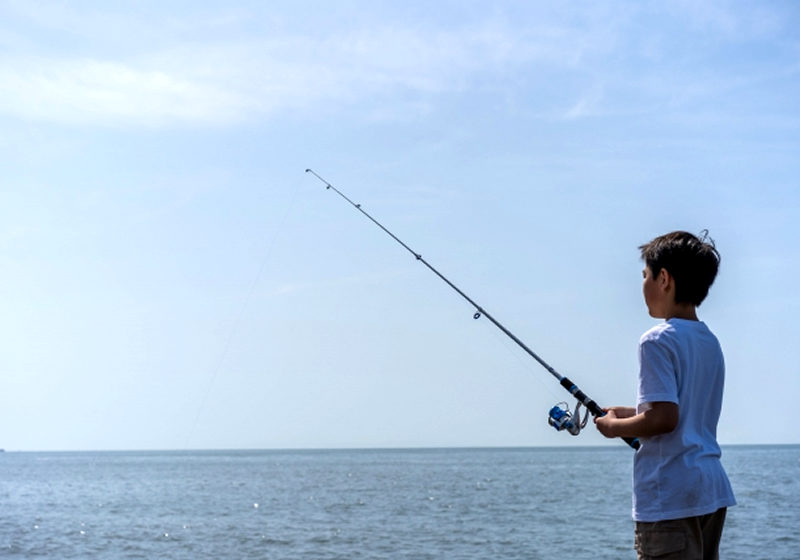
(654,294)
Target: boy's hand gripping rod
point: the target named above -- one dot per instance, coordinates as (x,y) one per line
(590,405)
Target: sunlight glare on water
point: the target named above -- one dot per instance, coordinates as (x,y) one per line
(436,503)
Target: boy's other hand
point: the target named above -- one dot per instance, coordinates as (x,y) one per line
(605,424)
(622,411)
(622,421)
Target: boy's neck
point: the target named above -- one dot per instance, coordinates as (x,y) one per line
(681,311)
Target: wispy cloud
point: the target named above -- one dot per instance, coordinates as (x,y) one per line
(10,235)
(98,92)
(222,80)
(220,72)
(227,82)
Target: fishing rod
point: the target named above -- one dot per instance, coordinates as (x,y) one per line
(558,417)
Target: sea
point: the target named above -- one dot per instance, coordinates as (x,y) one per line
(454,504)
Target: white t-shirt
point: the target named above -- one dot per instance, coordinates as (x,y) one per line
(679,474)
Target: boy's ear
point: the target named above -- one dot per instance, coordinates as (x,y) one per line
(664,279)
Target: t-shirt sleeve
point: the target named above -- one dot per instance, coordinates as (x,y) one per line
(658,380)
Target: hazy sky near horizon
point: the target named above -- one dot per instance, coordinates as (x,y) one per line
(171,278)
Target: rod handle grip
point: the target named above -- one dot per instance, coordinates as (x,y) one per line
(633,442)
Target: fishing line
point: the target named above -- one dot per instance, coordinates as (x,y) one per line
(559,418)
(241,314)
(516,355)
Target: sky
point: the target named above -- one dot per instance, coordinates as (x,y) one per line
(172,278)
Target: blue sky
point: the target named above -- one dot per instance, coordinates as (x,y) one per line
(172,278)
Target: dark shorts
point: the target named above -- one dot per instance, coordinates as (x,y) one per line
(692,538)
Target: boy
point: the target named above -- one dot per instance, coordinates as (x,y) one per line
(680,490)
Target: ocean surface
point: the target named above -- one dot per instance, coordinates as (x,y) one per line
(532,503)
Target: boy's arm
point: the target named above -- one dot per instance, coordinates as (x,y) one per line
(660,418)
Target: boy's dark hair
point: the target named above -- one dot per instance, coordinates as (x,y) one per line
(692,261)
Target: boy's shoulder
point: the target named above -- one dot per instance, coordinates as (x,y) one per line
(676,329)
(657,332)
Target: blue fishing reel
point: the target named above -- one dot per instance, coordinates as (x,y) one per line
(562,419)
